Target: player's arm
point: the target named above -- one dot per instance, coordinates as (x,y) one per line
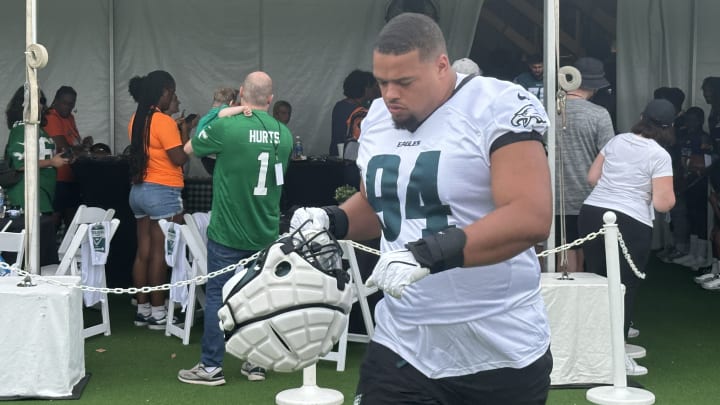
(363,223)
(355,219)
(520,179)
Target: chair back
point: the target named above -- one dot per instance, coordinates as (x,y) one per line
(197,248)
(69,262)
(13,242)
(83,215)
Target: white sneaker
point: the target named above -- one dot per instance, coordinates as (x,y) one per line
(705,278)
(632,368)
(633,333)
(713,284)
(684,260)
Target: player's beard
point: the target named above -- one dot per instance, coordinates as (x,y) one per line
(410,123)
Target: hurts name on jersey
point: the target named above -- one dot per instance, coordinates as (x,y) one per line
(403,144)
(261,136)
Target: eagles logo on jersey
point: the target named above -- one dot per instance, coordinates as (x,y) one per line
(526,115)
(290,307)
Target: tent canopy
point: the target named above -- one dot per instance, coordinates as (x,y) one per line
(307,47)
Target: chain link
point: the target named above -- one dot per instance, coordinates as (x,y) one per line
(639,274)
(358,246)
(134,290)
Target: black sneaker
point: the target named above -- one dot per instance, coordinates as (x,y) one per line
(159,324)
(253,372)
(156,324)
(141,320)
(199,375)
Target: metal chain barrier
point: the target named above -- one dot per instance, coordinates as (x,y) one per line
(243,262)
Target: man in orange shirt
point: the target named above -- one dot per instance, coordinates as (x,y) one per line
(61,127)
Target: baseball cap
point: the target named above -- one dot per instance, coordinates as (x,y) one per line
(592,72)
(466,66)
(660,112)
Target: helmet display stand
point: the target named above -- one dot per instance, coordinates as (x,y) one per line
(309,393)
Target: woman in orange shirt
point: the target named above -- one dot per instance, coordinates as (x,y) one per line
(156,159)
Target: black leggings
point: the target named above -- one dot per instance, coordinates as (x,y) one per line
(638,239)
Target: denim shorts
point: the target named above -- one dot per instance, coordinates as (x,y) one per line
(155,200)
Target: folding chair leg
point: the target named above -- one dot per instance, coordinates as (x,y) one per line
(342,347)
(195,294)
(104,326)
(339,355)
(170,316)
(105,308)
(361,293)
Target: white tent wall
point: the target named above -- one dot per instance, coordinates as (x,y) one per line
(307,46)
(664,43)
(78,56)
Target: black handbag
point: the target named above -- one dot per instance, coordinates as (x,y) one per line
(8,175)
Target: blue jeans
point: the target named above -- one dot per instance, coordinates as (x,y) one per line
(213,340)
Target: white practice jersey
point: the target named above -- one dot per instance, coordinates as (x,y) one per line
(458,321)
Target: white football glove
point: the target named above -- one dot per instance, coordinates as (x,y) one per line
(395,270)
(309,218)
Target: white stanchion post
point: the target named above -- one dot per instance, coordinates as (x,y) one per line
(619,392)
(309,393)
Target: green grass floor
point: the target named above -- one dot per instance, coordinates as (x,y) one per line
(677,320)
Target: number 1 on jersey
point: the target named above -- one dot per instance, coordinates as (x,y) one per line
(261,188)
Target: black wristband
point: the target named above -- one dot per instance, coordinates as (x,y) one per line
(338,221)
(440,251)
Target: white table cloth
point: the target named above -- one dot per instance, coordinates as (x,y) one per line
(579,315)
(42,347)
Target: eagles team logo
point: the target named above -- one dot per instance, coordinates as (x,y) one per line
(525,117)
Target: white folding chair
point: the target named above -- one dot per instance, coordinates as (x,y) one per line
(197,256)
(13,242)
(70,264)
(83,215)
(360,294)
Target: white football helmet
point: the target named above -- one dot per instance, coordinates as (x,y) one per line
(290,307)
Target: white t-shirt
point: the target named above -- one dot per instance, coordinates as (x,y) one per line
(459,321)
(625,185)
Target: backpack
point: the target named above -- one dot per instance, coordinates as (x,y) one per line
(8,175)
(353,132)
(353,122)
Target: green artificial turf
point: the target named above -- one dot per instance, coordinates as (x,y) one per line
(676,318)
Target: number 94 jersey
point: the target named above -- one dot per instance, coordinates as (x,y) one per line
(421,182)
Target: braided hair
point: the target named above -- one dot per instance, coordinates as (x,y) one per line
(147,92)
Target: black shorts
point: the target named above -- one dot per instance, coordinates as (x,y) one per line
(571,230)
(387,379)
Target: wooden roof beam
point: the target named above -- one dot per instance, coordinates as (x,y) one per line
(536,17)
(509,32)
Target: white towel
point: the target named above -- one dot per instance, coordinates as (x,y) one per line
(94,251)
(175,257)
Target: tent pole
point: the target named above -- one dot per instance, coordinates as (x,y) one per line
(550,63)
(111,72)
(31,117)
(693,56)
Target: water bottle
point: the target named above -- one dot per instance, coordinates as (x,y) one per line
(3,270)
(297,149)
(2,202)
